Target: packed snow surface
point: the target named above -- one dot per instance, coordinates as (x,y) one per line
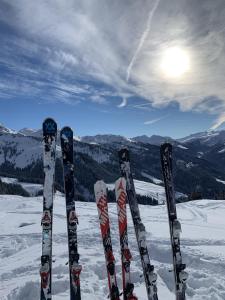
(202,245)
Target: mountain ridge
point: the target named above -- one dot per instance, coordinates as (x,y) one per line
(206,137)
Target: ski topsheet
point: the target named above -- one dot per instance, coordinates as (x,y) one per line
(66,136)
(148,269)
(175,227)
(49,141)
(121,196)
(102,205)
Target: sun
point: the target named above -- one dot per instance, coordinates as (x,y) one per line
(175,62)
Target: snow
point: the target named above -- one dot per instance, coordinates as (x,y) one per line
(96,153)
(182,147)
(190,165)
(9,180)
(20,150)
(222,150)
(200,135)
(202,245)
(31,188)
(144,188)
(155,180)
(219,180)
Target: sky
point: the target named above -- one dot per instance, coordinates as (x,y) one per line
(95,65)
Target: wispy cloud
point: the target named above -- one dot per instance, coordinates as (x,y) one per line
(143,38)
(98,99)
(123,103)
(66,50)
(218,122)
(153,121)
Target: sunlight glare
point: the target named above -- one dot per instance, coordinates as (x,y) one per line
(175,62)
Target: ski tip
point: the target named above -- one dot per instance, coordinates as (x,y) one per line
(49,126)
(124,154)
(66,131)
(120,184)
(165,147)
(99,188)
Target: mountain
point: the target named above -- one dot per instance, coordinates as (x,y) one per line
(105,139)
(198,161)
(5,130)
(209,138)
(30,132)
(153,140)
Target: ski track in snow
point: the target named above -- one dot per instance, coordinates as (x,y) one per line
(202,245)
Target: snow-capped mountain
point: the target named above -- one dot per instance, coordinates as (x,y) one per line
(153,140)
(209,138)
(197,165)
(6,130)
(105,139)
(30,132)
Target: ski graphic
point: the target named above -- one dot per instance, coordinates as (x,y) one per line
(148,269)
(66,136)
(49,141)
(121,196)
(102,205)
(180,274)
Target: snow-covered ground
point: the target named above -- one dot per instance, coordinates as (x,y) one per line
(202,244)
(32,188)
(149,189)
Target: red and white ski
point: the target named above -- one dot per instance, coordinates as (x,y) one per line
(102,205)
(121,197)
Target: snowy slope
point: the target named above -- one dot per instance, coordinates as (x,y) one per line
(149,189)
(203,248)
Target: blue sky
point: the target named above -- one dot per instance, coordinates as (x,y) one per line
(95,65)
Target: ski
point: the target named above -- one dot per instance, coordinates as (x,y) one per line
(121,196)
(102,205)
(66,136)
(148,269)
(49,141)
(180,274)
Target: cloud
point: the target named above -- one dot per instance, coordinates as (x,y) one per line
(143,38)
(67,50)
(98,99)
(123,103)
(219,121)
(153,121)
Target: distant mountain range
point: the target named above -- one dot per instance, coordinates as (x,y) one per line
(199,167)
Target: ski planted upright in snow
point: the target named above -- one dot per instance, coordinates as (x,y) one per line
(121,197)
(148,269)
(49,141)
(180,274)
(102,205)
(66,136)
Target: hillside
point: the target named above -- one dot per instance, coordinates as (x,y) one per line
(198,161)
(202,245)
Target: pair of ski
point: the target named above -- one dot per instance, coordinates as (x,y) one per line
(102,205)
(124,189)
(49,140)
(175,228)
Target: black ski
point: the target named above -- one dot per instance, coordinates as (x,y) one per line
(49,140)
(148,269)
(175,227)
(66,136)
